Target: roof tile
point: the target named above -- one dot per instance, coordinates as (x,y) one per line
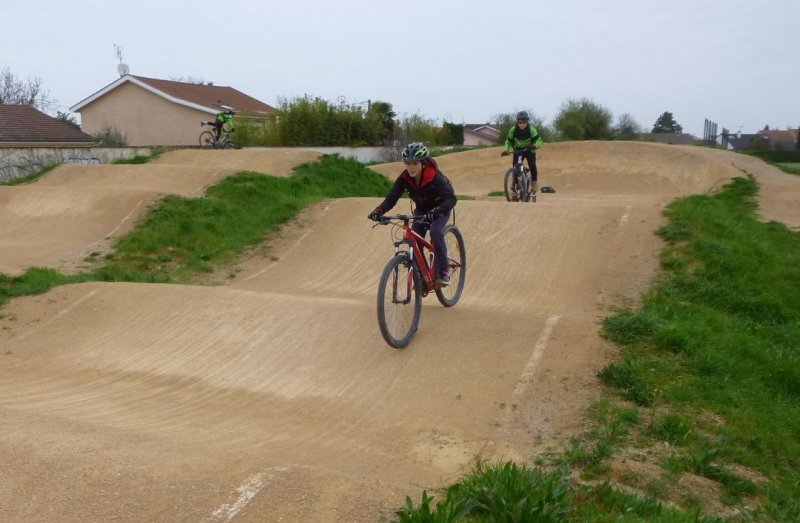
(22,123)
(210,96)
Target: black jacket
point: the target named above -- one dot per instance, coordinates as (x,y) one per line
(433,193)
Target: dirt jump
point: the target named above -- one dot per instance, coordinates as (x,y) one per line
(274,397)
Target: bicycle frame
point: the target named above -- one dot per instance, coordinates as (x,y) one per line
(416,243)
(519,162)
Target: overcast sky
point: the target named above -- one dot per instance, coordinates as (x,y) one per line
(736,62)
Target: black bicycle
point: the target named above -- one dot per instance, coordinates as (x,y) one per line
(210,140)
(518,184)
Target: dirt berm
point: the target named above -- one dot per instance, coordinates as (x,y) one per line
(274,397)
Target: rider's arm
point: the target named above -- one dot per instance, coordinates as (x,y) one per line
(395,193)
(446,199)
(509,143)
(536,141)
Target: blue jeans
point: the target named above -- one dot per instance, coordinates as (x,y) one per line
(437,239)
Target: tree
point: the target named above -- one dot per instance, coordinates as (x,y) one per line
(666,124)
(15,91)
(190,80)
(627,128)
(451,134)
(383,116)
(583,120)
(67,118)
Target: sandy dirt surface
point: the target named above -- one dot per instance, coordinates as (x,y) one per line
(274,397)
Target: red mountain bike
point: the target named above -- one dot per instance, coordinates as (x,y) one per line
(409,276)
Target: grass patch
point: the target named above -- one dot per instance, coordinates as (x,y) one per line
(715,348)
(31,177)
(139,158)
(791,168)
(183,237)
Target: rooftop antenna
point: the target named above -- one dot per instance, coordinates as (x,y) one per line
(122,68)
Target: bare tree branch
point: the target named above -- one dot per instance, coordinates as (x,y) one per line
(16,91)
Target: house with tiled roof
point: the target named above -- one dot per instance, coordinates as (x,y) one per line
(481,134)
(780,140)
(25,126)
(154,112)
(738,141)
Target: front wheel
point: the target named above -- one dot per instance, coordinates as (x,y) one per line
(509,185)
(456,267)
(399,302)
(524,192)
(207,140)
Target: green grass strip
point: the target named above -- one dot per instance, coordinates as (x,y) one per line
(718,338)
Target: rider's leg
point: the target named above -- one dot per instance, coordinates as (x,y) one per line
(439,246)
(531,157)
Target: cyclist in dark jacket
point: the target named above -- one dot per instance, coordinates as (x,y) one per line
(524,136)
(433,196)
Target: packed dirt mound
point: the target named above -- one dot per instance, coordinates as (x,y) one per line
(275,397)
(77,210)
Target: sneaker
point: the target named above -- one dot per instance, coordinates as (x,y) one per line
(443,281)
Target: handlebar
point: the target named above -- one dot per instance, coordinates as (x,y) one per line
(390,218)
(517,150)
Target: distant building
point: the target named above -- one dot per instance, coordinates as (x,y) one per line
(25,126)
(480,134)
(739,141)
(153,112)
(785,140)
(780,140)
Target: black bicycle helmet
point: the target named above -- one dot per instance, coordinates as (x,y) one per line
(415,152)
(523,115)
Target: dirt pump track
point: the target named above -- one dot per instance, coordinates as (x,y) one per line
(274,397)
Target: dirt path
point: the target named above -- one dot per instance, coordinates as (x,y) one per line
(274,398)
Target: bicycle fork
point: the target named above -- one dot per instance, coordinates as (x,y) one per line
(403,282)
(417,262)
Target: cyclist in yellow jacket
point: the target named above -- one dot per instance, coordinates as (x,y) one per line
(524,140)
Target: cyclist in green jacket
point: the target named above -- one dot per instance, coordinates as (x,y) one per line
(224,119)
(524,139)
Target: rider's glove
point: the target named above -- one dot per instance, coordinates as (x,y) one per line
(504,153)
(430,216)
(376,214)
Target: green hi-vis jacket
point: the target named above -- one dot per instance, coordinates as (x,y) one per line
(225,118)
(523,138)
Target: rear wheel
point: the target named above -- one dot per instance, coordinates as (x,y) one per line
(207,140)
(456,267)
(399,302)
